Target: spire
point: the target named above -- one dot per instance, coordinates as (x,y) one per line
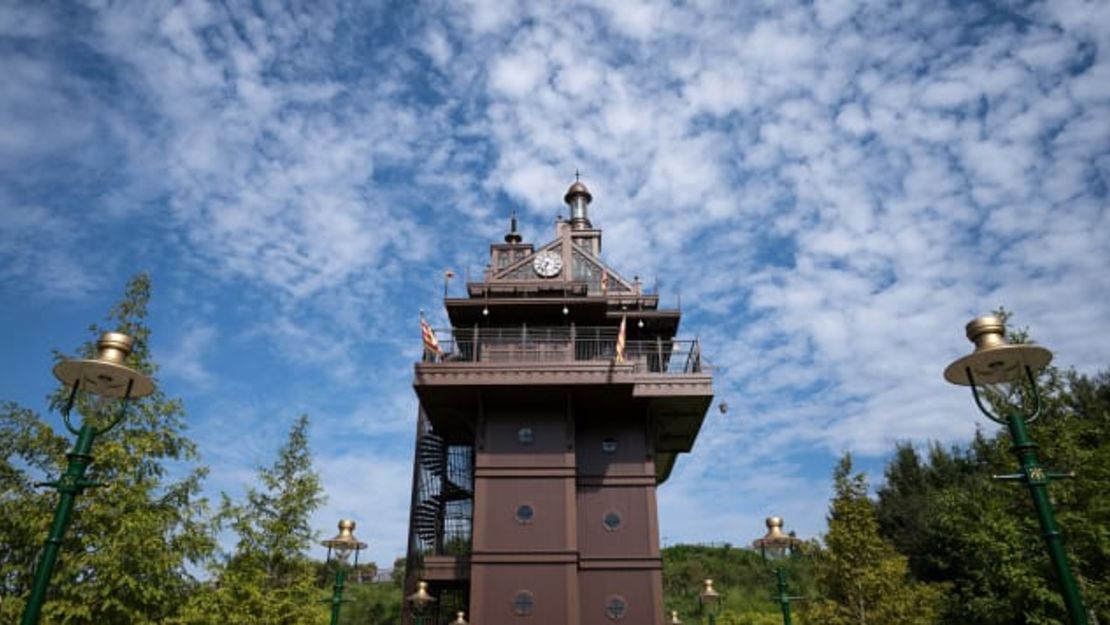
(513,237)
(578,198)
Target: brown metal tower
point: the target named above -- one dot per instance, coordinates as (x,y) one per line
(543,433)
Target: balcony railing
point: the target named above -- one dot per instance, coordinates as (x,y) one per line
(566,344)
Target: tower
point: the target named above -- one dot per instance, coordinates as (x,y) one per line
(558,400)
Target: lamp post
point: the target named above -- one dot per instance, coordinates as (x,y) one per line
(1001,367)
(674,618)
(419,601)
(775,544)
(710,601)
(342,545)
(106,375)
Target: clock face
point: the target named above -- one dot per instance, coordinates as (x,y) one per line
(547,264)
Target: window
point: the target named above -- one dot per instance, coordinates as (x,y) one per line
(525,436)
(615,607)
(524,514)
(609,445)
(612,521)
(523,603)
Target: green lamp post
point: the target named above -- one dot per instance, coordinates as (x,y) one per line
(106,375)
(1003,368)
(709,601)
(419,602)
(342,546)
(775,544)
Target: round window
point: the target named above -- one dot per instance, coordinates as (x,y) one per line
(609,445)
(525,436)
(523,603)
(524,513)
(612,521)
(615,607)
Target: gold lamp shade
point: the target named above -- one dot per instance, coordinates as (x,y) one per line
(995,360)
(775,539)
(708,594)
(344,542)
(107,374)
(421,599)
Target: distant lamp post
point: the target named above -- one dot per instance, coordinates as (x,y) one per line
(460,619)
(674,618)
(1002,368)
(447,276)
(775,544)
(106,375)
(710,601)
(341,547)
(419,601)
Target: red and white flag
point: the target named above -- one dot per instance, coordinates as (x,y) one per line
(620,343)
(429,336)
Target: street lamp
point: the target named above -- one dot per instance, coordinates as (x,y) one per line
(710,601)
(106,375)
(419,601)
(342,546)
(1003,368)
(460,619)
(775,544)
(674,618)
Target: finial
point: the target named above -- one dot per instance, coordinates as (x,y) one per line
(513,237)
(576,174)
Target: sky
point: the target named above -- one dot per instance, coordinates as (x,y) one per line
(831,189)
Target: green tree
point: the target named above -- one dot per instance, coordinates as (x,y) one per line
(127,550)
(268,579)
(861,578)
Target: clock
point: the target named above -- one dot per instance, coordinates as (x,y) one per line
(547,264)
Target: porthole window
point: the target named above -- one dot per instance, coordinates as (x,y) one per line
(609,445)
(525,436)
(523,603)
(615,607)
(524,513)
(612,521)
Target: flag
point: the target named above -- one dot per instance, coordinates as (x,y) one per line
(620,343)
(429,336)
(604,281)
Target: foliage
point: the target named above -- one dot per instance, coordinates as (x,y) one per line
(268,579)
(125,556)
(958,525)
(862,579)
(746,582)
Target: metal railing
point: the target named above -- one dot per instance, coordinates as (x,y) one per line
(566,344)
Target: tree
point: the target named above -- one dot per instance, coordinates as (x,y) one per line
(861,578)
(126,553)
(269,579)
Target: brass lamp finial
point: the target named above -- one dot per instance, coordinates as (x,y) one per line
(107,374)
(995,360)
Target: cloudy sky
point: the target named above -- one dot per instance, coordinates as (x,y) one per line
(834,188)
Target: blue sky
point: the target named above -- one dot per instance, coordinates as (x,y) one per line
(834,188)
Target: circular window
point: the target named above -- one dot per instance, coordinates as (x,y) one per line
(609,445)
(615,607)
(523,603)
(525,436)
(524,513)
(612,521)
